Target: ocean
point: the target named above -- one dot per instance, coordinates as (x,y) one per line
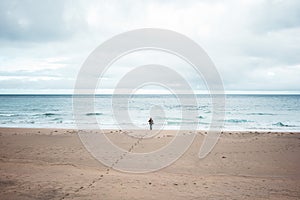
(243,112)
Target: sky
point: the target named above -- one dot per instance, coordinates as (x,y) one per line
(254,44)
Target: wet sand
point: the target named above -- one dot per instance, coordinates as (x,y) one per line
(53,164)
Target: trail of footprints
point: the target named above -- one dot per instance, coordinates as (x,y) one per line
(108,169)
(141,138)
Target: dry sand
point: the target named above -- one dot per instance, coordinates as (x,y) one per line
(53,164)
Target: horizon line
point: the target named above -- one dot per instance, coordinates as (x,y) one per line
(226,93)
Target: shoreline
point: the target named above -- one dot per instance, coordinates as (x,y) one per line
(260,131)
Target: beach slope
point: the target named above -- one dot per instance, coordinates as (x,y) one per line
(53,164)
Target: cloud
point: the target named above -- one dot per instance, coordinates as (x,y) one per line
(275,15)
(254,43)
(38,21)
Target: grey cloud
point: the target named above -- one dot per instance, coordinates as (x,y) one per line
(245,44)
(35,20)
(274,15)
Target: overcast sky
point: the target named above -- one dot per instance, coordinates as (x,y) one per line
(255,44)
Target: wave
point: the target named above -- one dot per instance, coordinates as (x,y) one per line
(283,125)
(94,114)
(49,114)
(173,123)
(8,115)
(169,118)
(173,118)
(237,120)
(204,106)
(58,120)
(34,109)
(179,123)
(260,114)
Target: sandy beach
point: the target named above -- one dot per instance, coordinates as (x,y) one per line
(53,164)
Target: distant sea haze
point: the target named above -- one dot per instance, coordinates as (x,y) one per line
(243,112)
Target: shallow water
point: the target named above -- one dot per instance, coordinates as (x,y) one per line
(243,112)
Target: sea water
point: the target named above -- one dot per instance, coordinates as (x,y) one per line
(242,112)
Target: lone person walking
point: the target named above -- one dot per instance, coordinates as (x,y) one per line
(150,123)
